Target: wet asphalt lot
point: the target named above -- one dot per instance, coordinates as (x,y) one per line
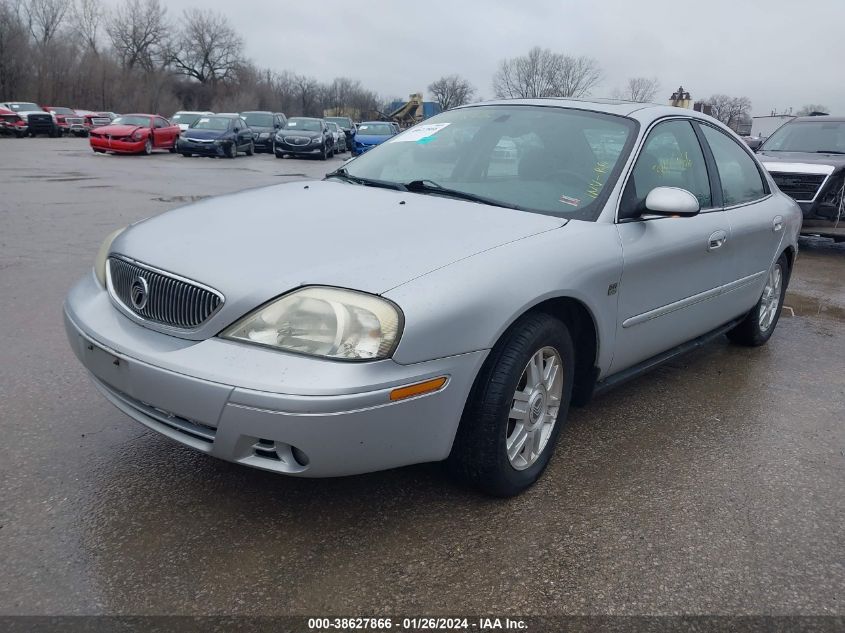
(714,485)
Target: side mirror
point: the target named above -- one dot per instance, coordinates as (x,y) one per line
(236,129)
(671,201)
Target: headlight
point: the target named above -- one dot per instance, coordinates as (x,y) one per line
(279,136)
(102,255)
(317,140)
(137,135)
(327,322)
(264,135)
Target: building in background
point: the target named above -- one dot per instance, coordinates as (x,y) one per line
(680,98)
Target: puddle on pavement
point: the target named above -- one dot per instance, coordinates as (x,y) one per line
(805,306)
(181,198)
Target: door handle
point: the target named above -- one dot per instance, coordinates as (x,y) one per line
(717,240)
(777,224)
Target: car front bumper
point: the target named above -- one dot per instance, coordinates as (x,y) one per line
(203,149)
(112,145)
(286,148)
(263,144)
(263,408)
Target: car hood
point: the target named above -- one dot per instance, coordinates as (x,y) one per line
(256,245)
(118,130)
(371,139)
(802,162)
(204,134)
(297,132)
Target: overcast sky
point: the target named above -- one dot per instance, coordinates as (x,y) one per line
(779,53)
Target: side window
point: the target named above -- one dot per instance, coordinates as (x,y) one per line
(671,157)
(741,181)
(159,122)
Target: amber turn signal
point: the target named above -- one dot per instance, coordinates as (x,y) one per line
(418,389)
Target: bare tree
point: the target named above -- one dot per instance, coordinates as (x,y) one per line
(729,110)
(813,107)
(138,31)
(451,91)
(45,17)
(543,73)
(14,50)
(86,18)
(209,50)
(640,89)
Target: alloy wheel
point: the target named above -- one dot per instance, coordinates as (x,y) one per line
(770,301)
(535,407)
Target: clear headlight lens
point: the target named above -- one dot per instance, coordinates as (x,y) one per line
(327,322)
(103,254)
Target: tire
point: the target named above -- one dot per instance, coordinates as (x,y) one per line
(323,153)
(233,151)
(331,152)
(251,149)
(759,324)
(99,151)
(187,154)
(279,155)
(480,451)
(148,147)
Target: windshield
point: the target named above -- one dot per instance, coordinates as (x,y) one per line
(306,125)
(376,129)
(62,110)
(546,159)
(142,121)
(258,119)
(184,118)
(211,123)
(808,136)
(342,121)
(333,126)
(24,107)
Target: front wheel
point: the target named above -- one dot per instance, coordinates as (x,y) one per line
(148,147)
(759,324)
(233,150)
(516,408)
(250,150)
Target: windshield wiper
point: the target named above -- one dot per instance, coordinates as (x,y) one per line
(828,151)
(342,174)
(429,186)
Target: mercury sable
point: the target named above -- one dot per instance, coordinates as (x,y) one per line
(439,298)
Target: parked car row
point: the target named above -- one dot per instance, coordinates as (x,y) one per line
(25,118)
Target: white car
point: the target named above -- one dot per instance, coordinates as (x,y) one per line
(184,118)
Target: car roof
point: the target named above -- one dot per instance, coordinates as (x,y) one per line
(257,112)
(819,119)
(642,112)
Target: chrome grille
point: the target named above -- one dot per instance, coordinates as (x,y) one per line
(100,121)
(297,140)
(170,300)
(73,120)
(803,187)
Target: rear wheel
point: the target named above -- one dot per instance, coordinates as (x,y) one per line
(516,408)
(759,324)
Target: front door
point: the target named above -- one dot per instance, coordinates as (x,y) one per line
(673,267)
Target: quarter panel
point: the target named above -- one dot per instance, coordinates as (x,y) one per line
(467,306)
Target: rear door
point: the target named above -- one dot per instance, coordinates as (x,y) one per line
(755,216)
(673,267)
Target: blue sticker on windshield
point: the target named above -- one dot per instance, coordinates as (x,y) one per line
(426,139)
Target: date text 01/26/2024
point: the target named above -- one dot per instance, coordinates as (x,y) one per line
(416,624)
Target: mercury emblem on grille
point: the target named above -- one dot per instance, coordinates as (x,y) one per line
(139,292)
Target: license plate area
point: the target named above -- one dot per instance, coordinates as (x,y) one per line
(109,368)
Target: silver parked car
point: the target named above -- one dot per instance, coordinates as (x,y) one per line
(458,304)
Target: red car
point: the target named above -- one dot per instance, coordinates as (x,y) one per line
(68,120)
(135,134)
(12,123)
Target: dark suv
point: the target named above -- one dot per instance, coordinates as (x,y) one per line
(806,158)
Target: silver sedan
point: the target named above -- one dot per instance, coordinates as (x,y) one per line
(460,302)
